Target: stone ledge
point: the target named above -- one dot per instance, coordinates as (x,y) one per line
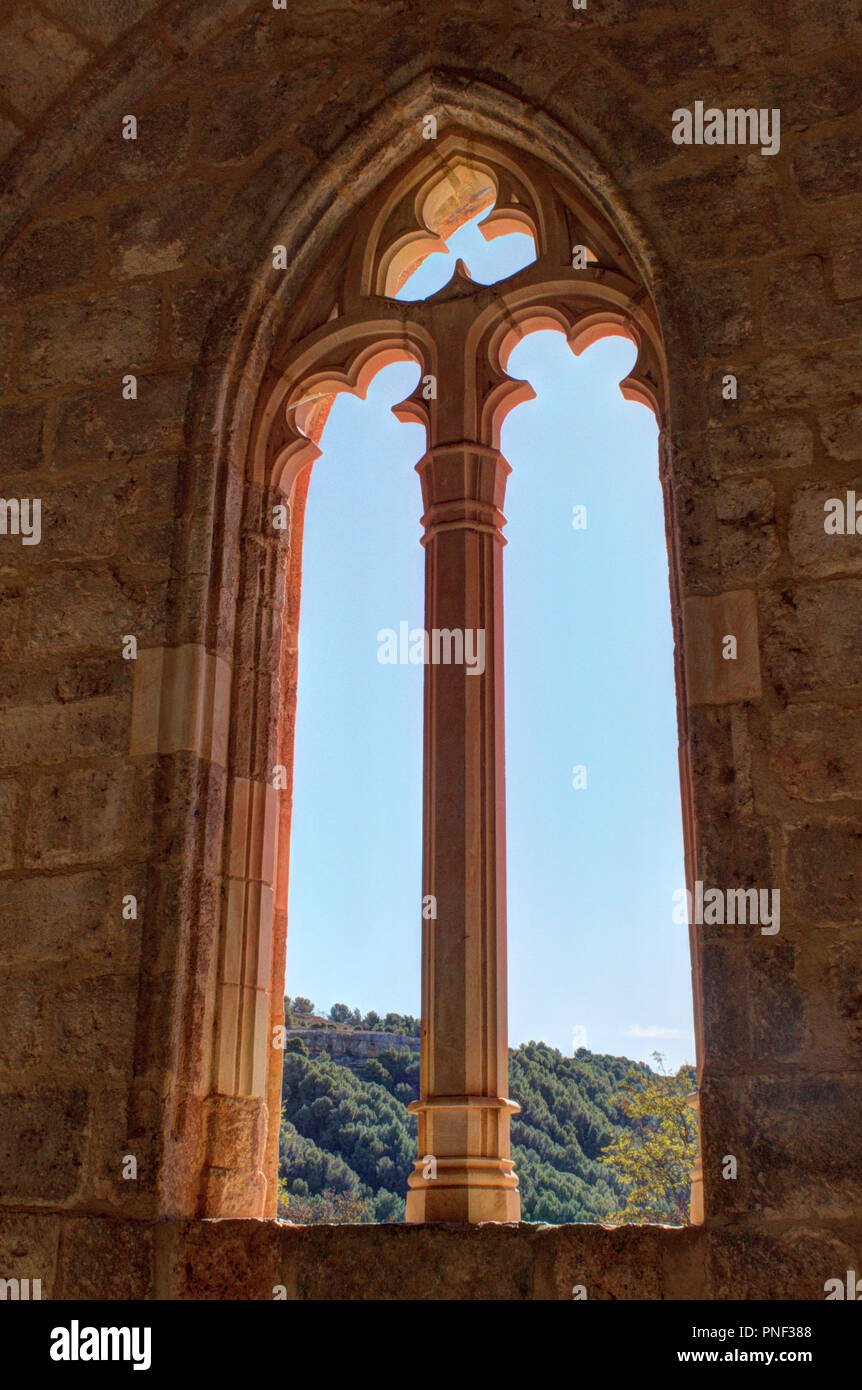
(102,1257)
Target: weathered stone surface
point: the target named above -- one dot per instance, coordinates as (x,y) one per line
(814,751)
(824,872)
(20,440)
(105,19)
(100,428)
(150,235)
(793,1267)
(106,1259)
(70,916)
(759,1121)
(37,59)
(28,1249)
(8,811)
(813,636)
(42,1138)
(49,258)
(115,333)
(78,815)
(798,307)
(160,151)
(815,550)
(828,165)
(748,541)
(712,677)
(202,1260)
(154,256)
(63,602)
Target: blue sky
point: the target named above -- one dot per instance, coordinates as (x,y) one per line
(594,955)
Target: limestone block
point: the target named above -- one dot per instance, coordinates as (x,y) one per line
(707,622)
(81,814)
(38,59)
(180,701)
(812,635)
(815,751)
(828,166)
(796,1139)
(814,550)
(99,428)
(823,872)
(20,441)
(101,1258)
(8,814)
(92,338)
(42,1140)
(225,1258)
(28,1249)
(154,232)
(76,916)
(50,257)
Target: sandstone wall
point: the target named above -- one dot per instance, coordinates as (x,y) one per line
(153,258)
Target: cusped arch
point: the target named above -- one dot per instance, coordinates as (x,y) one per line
(324,326)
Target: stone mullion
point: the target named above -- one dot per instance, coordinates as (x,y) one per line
(463,1110)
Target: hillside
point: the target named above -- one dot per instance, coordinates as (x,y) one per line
(345,1128)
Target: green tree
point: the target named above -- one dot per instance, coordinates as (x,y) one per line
(655,1154)
(324,1208)
(301,1005)
(339,1013)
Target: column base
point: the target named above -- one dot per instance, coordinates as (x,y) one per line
(464,1190)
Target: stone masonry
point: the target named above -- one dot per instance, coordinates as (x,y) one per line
(144,329)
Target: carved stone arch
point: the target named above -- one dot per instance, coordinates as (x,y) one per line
(309,331)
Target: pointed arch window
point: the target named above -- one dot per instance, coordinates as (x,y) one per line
(353,321)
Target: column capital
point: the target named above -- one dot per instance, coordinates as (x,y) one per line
(463,486)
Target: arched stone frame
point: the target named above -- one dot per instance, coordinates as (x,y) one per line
(227,1012)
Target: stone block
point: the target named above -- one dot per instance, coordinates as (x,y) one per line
(73,608)
(223,1259)
(812,635)
(726,214)
(159,152)
(819,373)
(20,441)
(815,751)
(101,428)
(89,339)
(153,232)
(48,258)
(71,917)
(8,821)
(828,166)
(841,432)
(37,60)
(28,1248)
(82,814)
(792,1267)
(815,550)
(43,1135)
(105,1259)
(798,306)
(823,873)
(707,622)
(797,1144)
(747,536)
(105,20)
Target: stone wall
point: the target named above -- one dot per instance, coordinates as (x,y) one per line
(152,257)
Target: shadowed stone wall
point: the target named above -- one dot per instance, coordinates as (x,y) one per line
(152,257)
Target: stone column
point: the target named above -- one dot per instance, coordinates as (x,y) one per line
(464,1172)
